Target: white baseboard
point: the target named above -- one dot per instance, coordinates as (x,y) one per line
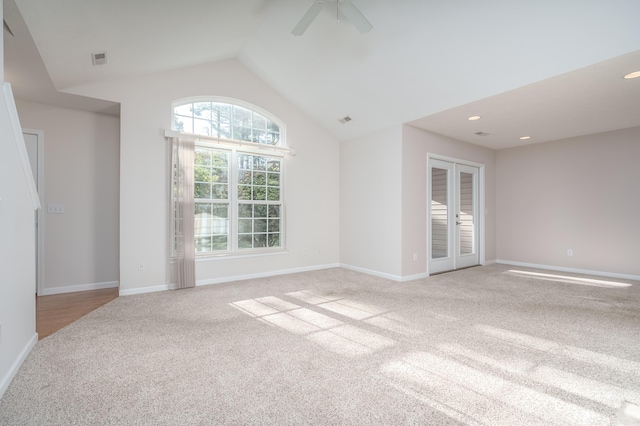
(13,370)
(142,290)
(489,262)
(210,281)
(571,270)
(78,287)
(371,272)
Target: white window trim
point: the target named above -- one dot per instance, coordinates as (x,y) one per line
(254,148)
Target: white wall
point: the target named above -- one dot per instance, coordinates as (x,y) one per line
(370,200)
(311,177)
(580,194)
(416,144)
(17,252)
(81,170)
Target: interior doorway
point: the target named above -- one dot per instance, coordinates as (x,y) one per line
(453,214)
(34,142)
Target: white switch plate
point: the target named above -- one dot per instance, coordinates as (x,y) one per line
(55,208)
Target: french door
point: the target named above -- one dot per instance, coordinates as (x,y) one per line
(453,217)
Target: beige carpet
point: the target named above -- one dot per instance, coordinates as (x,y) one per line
(485,345)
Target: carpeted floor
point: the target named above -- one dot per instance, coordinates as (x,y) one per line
(485,345)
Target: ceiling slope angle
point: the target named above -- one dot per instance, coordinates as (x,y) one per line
(345,6)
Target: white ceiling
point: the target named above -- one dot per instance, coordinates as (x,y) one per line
(519,64)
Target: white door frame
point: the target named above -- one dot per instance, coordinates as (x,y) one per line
(481,204)
(41,211)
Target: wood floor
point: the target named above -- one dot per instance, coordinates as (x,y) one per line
(59,310)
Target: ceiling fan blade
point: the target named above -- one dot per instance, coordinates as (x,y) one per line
(355,17)
(308,18)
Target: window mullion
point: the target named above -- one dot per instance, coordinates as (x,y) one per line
(233,201)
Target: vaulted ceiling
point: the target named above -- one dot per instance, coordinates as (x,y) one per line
(544,68)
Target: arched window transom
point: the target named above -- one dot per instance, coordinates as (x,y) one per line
(226,120)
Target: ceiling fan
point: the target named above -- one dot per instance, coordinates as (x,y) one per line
(345,6)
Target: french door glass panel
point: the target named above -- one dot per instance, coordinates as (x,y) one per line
(453,236)
(439,213)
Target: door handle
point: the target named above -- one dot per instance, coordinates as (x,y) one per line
(458,223)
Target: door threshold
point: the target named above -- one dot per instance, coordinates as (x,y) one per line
(454,270)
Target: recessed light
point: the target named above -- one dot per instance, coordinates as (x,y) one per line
(474,118)
(631,75)
(524,138)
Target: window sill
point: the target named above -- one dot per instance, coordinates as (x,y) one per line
(228,256)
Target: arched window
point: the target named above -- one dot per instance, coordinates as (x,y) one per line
(226,119)
(238,189)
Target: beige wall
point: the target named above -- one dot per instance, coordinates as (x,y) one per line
(370,199)
(580,194)
(81,170)
(416,144)
(311,176)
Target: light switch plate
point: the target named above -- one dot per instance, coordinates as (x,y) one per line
(55,208)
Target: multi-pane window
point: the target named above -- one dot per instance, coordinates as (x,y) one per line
(211,200)
(237,203)
(238,192)
(222,120)
(259,202)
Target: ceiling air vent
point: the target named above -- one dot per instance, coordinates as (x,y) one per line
(482,134)
(99,58)
(346,119)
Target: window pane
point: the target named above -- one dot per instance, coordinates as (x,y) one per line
(220,192)
(203,244)
(202,174)
(245,241)
(273,179)
(241,116)
(202,208)
(260,210)
(185,109)
(260,240)
(244,178)
(259,178)
(202,127)
(274,211)
(272,127)
(224,130)
(242,133)
(244,192)
(245,226)
(221,210)
(259,136)
(259,122)
(245,210)
(273,194)
(220,159)
(202,110)
(202,157)
(260,225)
(220,243)
(220,175)
(274,240)
(273,138)
(221,113)
(274,225)
(259,193)
(202,190)
(273,165)
(183,124)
